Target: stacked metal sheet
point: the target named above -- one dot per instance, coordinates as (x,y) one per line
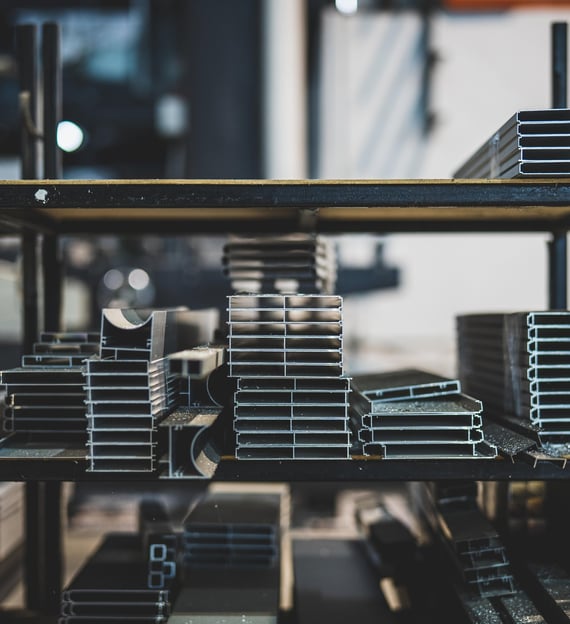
(112,587)
(519,364)
(531,143)
(233,530)
(412,414)
(286,264)
(130,390)
(126,399)
(46,394)
(472,545)
(292,396)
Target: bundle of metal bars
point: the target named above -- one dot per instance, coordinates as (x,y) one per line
(46,394)
(519,365)
(159,542)
(130,390)
(112,587)
(411,414)
(292,397)
(473,546)
(285,264)
(233,530)
(531,143)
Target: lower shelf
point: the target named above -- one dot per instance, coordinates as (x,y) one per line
(21,461)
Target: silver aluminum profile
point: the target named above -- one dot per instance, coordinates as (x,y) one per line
(529,143)
(430,451)
(404,384)
(196,363)
(423,436)
(319,453)
(191,453)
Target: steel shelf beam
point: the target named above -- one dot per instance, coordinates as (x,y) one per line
(71,466)
(208,206)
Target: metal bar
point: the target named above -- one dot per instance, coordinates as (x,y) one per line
(30,291)
(557,271)
(559,64)
(34,561)
(53,570)
(26,54)
(52,107)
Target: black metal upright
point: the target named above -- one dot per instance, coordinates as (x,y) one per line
(43,563)
(558,246)
(26,53)
(52,107)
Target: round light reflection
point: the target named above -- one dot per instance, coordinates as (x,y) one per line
(69,136)
(113,279)
(138,279)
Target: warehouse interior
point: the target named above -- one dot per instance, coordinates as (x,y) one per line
(284,326)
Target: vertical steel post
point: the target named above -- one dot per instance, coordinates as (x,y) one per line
(43,559)
(26,54)
(52,107)
(557,247)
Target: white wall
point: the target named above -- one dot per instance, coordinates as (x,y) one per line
(491,65)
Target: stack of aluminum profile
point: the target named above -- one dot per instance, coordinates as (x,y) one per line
(160,544)
(531,143)
(292,397)
(472,545)
(519,365)
(233,530)
(287,263)
(412,414)
(130,390)
(46,395)
(112,587)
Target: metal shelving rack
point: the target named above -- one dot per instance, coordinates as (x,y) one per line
(40,210)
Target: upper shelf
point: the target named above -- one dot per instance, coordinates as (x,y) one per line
(221,206)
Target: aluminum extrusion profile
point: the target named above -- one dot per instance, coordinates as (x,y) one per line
(403,385)
(126,400)
(196,363)
(530,143)
(232,530)
(284,263)
(191,452)
(111,586)
(292,397)
(449,426)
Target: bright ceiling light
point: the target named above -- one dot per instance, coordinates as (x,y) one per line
(69,136)
(346,7)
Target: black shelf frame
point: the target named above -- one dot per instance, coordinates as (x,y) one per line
(42,211)
(38,209)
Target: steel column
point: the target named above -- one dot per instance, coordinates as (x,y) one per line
(52,100)
(558,246)
(43,559)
